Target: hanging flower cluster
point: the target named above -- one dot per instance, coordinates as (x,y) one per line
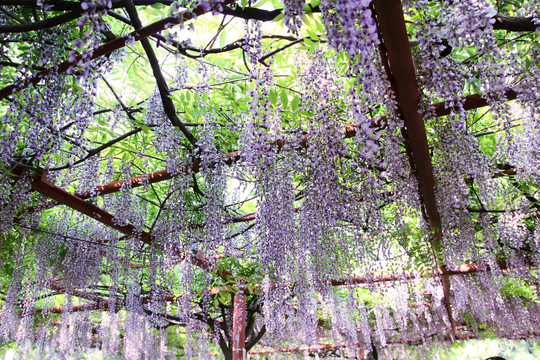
(92,12)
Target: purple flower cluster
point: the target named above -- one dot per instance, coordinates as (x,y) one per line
(293,9)
(252,43)
(81,56)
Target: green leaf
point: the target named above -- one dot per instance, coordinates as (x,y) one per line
(284,98)
(158,6)
(75,86)
(320,26)
(273,97)
(309,43)
(295,102)
(225,297)
(222,38)
(5,169)
(306,20)
(146,129)
(279,17)
(471,50)
(260,3)
(313,35)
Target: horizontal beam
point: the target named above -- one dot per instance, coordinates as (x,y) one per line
(414,341)
(78,293)
(314,348)
(74,308)
(469,102)
(76,203)
(407,276)
(65,198)
(465,269)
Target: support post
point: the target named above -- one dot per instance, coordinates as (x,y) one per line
(239,326)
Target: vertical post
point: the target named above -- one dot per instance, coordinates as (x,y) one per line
(394,32)
(239,326)
(361,353)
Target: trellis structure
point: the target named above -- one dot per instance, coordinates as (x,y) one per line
(397,66)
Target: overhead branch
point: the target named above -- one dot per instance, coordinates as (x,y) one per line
(73,308)
(118,3)
(108,47)
(502,22)
(78,293)
(100,148)
(11,15)
(117,97)
(256,338)
(163,88)
(41,25)
(62,5)
(198,52)
(17,65)
(272,53)
(514,23)
(522,188)
(251,13)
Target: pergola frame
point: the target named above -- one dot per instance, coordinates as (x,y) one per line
(396,55)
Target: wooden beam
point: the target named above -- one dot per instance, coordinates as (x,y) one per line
(469,102)
(442,108)
(65,198)
(396,41)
